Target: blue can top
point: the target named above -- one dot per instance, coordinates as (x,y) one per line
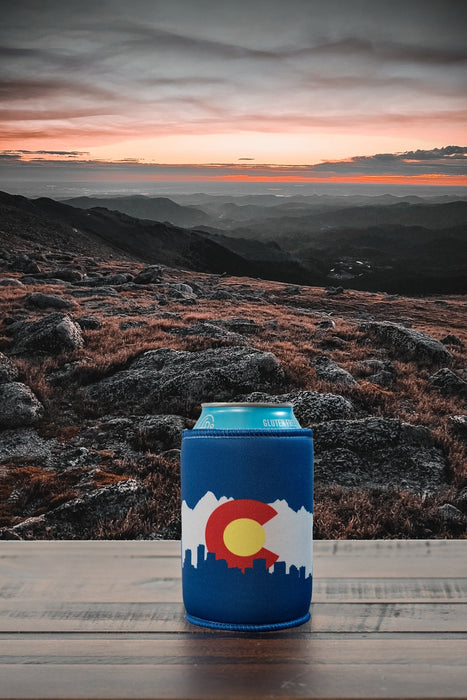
(247,416)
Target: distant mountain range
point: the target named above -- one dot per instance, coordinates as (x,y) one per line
(385,243)
(45,222)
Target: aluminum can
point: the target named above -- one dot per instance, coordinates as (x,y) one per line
(247,416)
(247,518)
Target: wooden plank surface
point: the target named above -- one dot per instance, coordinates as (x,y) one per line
(228,681)
(338,559)
(346,618)
(105,619)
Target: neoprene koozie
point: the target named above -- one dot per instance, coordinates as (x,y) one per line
(247,518)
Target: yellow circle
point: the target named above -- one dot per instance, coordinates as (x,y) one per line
(244,537)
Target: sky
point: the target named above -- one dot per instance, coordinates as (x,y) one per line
(200,90)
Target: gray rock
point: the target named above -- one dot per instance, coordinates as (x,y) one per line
(451,514)
(124,325)
(333,343)
(88,323)
(208,330)
(25,444)
(8,371)
(18,406)
(333,291)
(95,292)
(375,366)
(136,433)
(76,518)
(52,334)
(23,263)
(449,383)
(180,289)
(459,423)
(382,378)
(407,343)
(330,371)
(378,452)
(37,300)
(149,275)
(10,282)
(66,274)
(114,280)
(240,325)
(174,381)
(452,340)
(326,323)
(309,407)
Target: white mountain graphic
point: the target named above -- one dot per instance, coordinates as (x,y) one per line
(288,534)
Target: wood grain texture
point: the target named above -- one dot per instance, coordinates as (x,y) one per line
(30,616)
(228,681)
(105,620)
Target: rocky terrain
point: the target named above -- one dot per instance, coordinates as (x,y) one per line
(104,360)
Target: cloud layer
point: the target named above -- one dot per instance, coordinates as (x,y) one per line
(307,78)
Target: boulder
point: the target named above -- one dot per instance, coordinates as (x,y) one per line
(407,343)
(66,274)
(451,514)
(95,292)
(148,433)
(8,371)
(76,518)
(208,330)
(37,300)
(175,381)
(23,263)
(88,323)
(452,339)
(325,324)
(52,334)
(18,405)
(309,407)
(378,452)
(125,325)
(449,383)
(180,290)
(25,445)
(383,371)
(114,280)
(244,326)
(330,371)
(149,275)
(459,423)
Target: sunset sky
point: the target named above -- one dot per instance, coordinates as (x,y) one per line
(292,90)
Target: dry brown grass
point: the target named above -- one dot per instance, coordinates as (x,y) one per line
(380,514)
(29,491)
(162,479)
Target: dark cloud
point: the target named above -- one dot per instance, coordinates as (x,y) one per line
(448,160)
(22,152)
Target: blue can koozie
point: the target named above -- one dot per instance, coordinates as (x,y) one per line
(247,518)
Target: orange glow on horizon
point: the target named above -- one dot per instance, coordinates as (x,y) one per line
(422,179)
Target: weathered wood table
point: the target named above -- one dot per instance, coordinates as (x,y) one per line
(105,620)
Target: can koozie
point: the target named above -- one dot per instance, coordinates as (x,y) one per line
(247,518)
